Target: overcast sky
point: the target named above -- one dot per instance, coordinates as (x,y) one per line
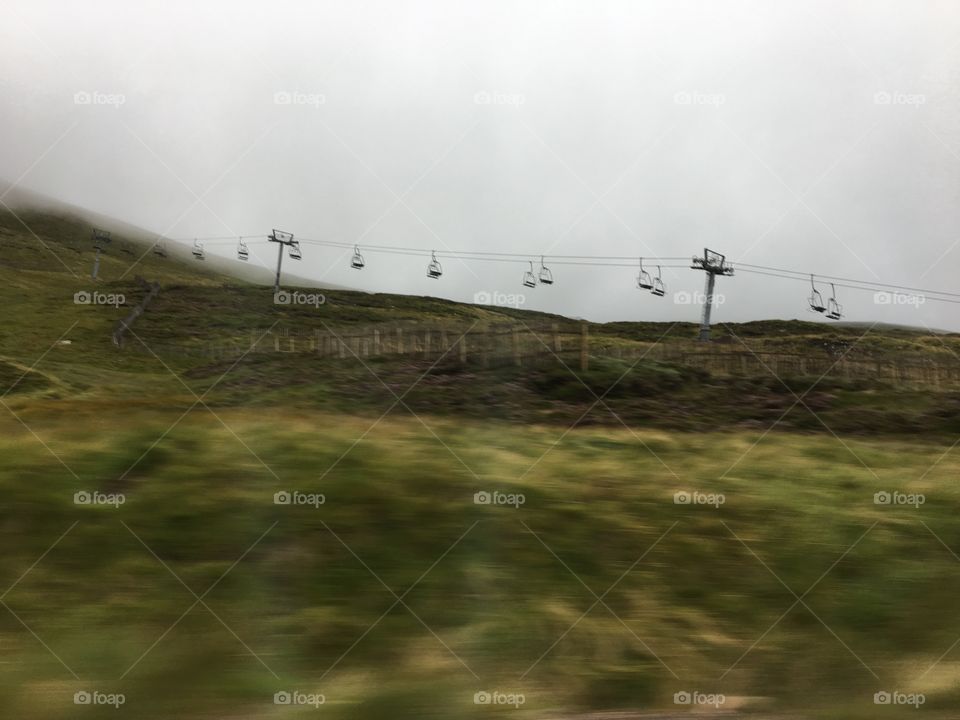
(816,136)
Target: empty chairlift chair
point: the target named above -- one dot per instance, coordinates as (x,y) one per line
(357,262)
(159,249)
(816,299)
(295,253)
(546,277)
(198,250)
(658,289)
(644,282)
(242,252)
(529,279)
(434,270)
(834,309)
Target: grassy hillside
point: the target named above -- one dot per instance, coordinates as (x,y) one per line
(695,598)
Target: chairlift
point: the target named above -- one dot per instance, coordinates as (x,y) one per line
(198,250)
(433,269)
(658,289)
(159,249)
(529,279)
(644,282)
(834,309)
(242,252)
(546,277)
(295,253)
(816,299)
(357,262)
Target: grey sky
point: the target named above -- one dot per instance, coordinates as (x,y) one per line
(817,136)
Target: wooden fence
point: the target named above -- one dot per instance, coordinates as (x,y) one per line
(571,344)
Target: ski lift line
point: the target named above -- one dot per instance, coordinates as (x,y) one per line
(869,283)
(842,285)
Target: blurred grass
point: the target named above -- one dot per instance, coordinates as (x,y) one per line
(494,602)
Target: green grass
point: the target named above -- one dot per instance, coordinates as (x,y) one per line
(517,581)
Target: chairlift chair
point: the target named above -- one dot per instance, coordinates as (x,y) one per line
(658,289)
(295,253)
(816,299)
(198,250)
(644,282)
(357,262)
(242,252)
(834,309)
(159,249)
(529,279)
(546,277)
(434,270)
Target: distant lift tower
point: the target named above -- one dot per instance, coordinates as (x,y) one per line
(282,239)
(713,264)
(101,238)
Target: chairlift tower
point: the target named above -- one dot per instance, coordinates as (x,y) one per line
(713,264)
(101,238)
(282,239)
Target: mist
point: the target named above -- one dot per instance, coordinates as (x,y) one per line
(820,137)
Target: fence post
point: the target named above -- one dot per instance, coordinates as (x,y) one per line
(341,347)
(584,347)
(400,341)
(517,360)
(276,343)
(426,344)
(376,342)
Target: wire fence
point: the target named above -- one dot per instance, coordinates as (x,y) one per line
(571,344)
